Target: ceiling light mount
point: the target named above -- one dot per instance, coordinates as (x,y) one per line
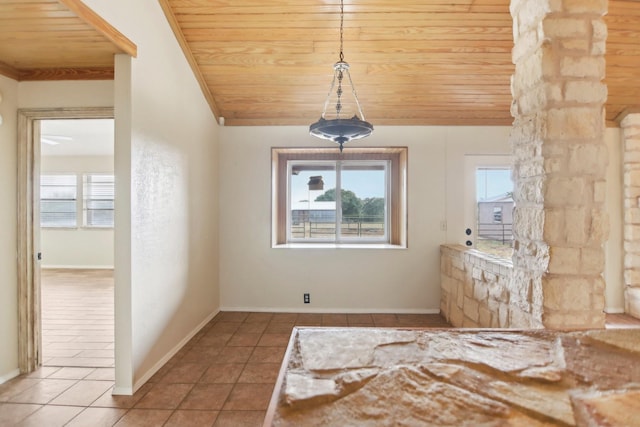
(341,128)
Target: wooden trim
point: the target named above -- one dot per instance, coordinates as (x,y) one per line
(98,73)
(9,71)
(398,175)
(177,31)
(100,25)
(29,326)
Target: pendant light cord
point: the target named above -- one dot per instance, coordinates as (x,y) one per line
(341,28)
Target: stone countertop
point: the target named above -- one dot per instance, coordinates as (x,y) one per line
(430,377)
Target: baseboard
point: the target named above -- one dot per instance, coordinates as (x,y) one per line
(335,310)
(9,376)
(614,310)
(171,353)
(77,267)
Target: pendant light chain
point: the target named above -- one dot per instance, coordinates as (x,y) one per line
(341,28)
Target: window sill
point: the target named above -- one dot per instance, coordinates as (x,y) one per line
(338,246)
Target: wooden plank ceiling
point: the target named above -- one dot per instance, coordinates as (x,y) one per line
(57,39)
(269,62)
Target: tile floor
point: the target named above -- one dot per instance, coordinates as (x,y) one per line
(77,318)
(223,377)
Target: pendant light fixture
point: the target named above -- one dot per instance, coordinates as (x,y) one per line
(340,128)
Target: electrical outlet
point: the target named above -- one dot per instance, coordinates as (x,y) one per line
(306,298)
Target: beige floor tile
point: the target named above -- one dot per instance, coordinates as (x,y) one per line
(16,386)
(221,373)
(43,392)
(240,419)
(192,419)
(71,373)
(207,396)
(164,396)
(90,362)
(51,416)
(97,417)
(144,418)
(102,374)
(249,397)
(12,413)
(43,372)
(83,393)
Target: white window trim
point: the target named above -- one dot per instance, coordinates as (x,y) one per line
(84,200)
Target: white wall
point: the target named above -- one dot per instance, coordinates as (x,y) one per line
(172,140)
(8,231)
(76,247)
(254,276)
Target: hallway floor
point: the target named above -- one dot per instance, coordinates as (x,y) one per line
(77,318)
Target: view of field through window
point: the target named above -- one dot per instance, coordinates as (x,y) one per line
(360,212)
(494,200)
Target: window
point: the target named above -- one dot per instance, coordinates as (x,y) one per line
(494,200)
(356,197)
(58,201)
(497,214)
(98,200)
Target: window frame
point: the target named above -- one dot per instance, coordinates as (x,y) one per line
(339,165)
(396,196)
(85,199)
(75,200)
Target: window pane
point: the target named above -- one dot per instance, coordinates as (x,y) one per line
(363,201)
(99,191)
(58,201)
(312,201)
(494,190)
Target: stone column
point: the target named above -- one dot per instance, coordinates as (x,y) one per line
(630,125)
(560,160)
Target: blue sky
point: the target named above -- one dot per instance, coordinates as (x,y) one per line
(492,182)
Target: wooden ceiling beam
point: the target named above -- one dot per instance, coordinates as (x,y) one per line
(100,25)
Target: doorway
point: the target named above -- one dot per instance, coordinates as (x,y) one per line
(76,238)
(29,224)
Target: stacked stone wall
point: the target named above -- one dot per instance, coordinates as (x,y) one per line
(630,125)
(560,160)
(476,292)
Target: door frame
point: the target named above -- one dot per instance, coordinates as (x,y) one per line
(29,307)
